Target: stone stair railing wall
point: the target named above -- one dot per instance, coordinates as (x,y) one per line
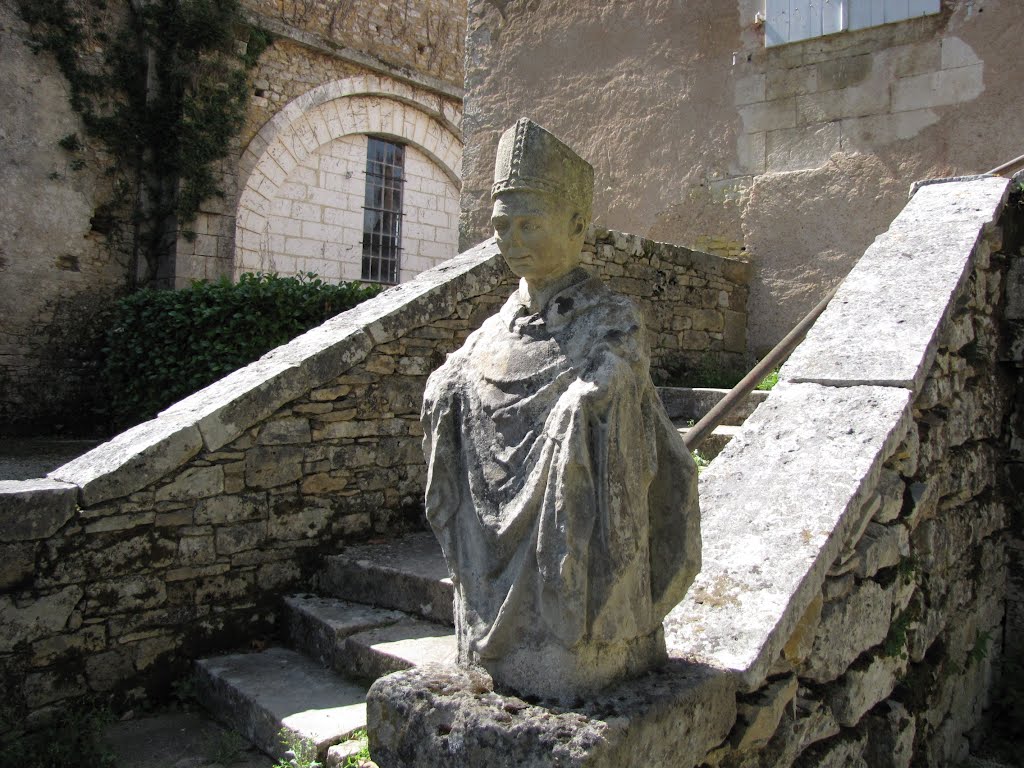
(852,608)
(177,537)
(856,530)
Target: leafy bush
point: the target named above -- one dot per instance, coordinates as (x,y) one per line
(163,345)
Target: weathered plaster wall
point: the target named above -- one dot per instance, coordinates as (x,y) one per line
(176,537)
(798,154)
(56,270)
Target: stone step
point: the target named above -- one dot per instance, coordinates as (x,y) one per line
(408,574)
(319,626)
(715,442)
(362,641)
(409,643)
(690,404)
(258,694)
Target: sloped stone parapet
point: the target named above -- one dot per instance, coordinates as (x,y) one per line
(777,506)
(448,717)
(884,324)
(132,460)
(893,622)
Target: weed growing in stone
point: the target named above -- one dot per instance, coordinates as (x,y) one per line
(363,755)
(701,461)
(226,748)
(299,752)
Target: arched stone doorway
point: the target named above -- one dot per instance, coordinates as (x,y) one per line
(301,207)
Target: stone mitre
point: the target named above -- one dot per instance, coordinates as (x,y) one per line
(531,158)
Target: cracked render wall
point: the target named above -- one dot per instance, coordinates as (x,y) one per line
(853,607)
(797,155)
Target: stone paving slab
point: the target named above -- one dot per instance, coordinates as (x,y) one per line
(258,694)
(407,574)
(178,740)
(409,643)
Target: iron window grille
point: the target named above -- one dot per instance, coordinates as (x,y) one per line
(382,211)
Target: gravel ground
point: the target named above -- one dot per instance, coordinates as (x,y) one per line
(23,459)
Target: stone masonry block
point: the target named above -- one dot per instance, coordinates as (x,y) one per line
(884,324)
(791,82)
(870,98)
(819,452)
(750,89)
(34,509)
(848,628)
(769,115)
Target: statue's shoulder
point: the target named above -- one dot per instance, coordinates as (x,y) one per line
(613,309)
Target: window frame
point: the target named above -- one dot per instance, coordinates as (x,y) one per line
(383,203)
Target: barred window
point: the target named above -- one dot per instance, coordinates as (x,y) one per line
(382,211)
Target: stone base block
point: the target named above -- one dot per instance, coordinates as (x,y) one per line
(556,674)
(447,717)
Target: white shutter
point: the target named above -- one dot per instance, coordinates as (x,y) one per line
(872,13)
(787,21)
(776,25)
(924,7)
(832,12)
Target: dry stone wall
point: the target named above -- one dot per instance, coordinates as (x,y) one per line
(176,537)
(851,610)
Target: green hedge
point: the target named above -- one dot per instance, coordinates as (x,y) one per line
(163,345)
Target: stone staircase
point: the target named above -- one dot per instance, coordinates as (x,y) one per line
(379,608)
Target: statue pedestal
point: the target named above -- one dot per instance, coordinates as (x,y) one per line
(451,717)
(557,675)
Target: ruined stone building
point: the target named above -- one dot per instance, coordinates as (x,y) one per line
(786,131)
(347,165)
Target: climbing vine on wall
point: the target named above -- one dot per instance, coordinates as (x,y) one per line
(165,97)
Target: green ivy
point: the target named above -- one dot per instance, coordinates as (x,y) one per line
(162,345)
(166,128)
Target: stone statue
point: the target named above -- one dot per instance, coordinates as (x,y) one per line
(562,496)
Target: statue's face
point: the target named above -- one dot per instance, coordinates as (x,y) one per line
(539,236)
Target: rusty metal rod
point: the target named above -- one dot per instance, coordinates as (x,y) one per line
(697,434)
(1007,166)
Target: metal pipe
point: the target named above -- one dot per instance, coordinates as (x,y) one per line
(697,434)
(1006,166)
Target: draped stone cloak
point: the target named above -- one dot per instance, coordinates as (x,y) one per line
(563,498)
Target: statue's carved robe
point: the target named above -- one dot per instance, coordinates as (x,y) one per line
(563,498)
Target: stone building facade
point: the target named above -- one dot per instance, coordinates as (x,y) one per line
(335,73)
(796,154)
